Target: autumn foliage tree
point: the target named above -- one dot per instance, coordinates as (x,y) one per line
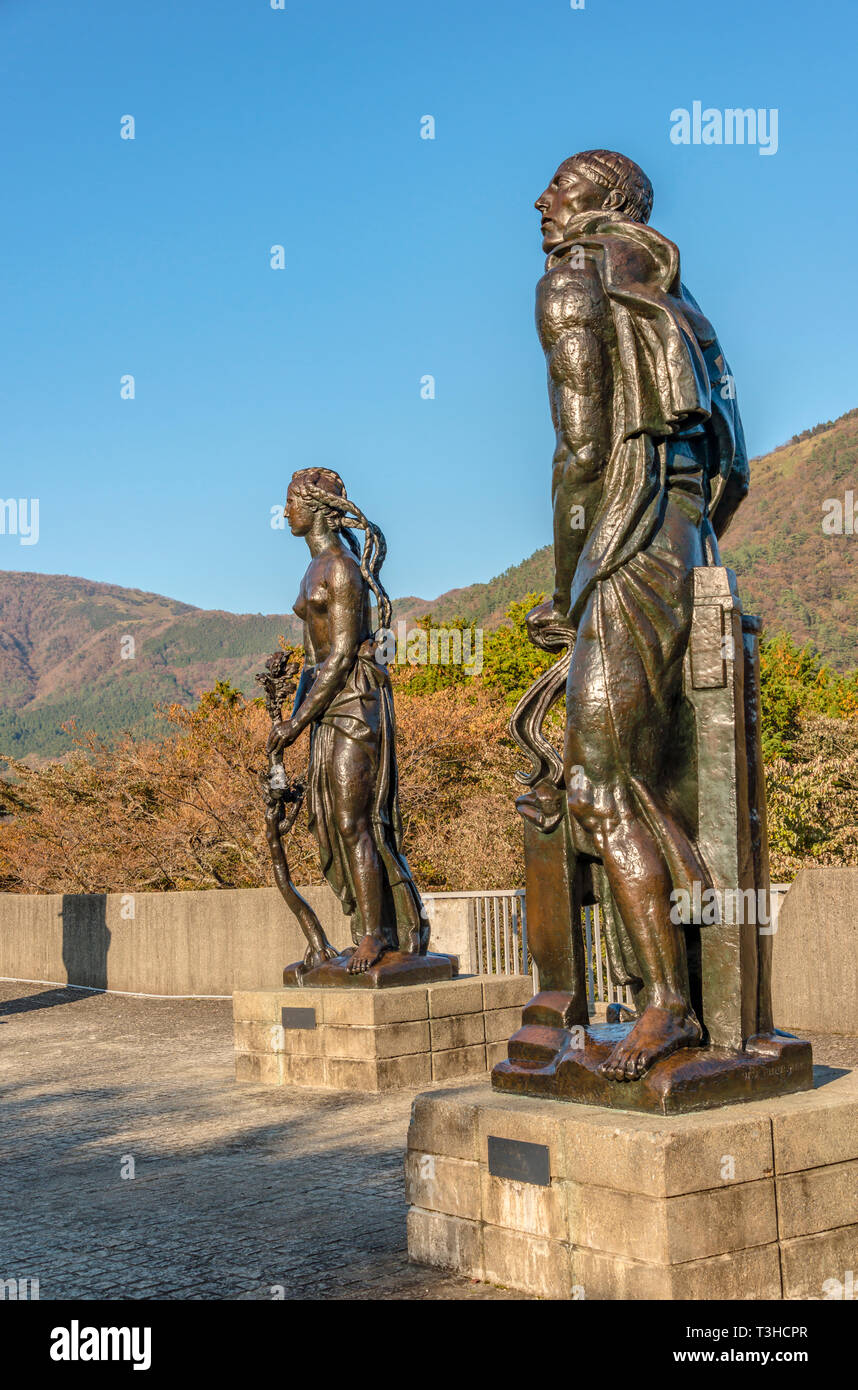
(186,811)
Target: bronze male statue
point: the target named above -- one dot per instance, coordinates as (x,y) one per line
(648,468)
(650,457)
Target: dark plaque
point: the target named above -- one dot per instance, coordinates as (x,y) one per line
(299,1018)
(516,1159)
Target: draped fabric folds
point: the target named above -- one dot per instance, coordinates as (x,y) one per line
(673,380)
(677,444)
(363,710)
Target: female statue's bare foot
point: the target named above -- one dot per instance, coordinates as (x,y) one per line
(369,953)
(657,1033)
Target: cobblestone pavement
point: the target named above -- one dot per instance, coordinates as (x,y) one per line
(237,1189)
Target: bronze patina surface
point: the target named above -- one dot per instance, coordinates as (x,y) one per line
(344,699)
(548,1058)
(395,968)
(659,799)
(283,799)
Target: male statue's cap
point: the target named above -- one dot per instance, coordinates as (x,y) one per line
(613,170)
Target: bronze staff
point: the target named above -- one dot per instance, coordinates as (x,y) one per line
(283,800)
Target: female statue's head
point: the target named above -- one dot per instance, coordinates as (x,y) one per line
(318,496)
(303,504)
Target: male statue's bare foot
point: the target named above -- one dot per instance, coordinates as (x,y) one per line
(657,1033)
(369,953)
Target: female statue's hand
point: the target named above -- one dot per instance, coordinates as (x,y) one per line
(283,733)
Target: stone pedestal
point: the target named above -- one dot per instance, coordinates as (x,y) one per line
(376,1039)
(753,1201)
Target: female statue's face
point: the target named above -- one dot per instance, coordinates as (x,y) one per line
(299,514)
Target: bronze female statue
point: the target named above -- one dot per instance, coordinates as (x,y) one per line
(345,699)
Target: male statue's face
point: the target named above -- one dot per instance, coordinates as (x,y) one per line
(569,192)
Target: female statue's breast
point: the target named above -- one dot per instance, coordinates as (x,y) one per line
(313,598)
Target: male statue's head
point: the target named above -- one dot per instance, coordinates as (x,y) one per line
(593,181)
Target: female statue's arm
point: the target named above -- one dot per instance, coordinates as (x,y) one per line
(305,680)
(345,614)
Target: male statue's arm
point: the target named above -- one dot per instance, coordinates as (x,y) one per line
(577,475)
(579,385)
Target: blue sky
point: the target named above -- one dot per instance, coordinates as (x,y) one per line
(404,257)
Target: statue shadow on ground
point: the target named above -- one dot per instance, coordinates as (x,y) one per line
(231,1197)
(823,1075)
(86,942)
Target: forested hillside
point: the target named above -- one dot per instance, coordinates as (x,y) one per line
(62,639)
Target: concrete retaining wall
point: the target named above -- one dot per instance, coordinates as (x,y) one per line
(232,939)
(175,943)
(206,943)
(815,954)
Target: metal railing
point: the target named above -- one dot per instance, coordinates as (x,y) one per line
(600,987)
(498,931)
(498,926)
(498,923)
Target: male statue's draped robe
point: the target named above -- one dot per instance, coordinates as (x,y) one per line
(675,471)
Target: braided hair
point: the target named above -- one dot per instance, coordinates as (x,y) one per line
(325,490)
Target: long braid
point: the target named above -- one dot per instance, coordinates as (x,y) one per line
(343,513)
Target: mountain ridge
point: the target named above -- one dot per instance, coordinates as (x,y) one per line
(62,638)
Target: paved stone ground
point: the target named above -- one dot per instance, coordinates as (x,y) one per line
(237,1188)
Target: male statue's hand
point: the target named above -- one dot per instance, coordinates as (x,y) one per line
(283,733)
(549,629)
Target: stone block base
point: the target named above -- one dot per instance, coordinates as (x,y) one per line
(752,1201)
(376,1039)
